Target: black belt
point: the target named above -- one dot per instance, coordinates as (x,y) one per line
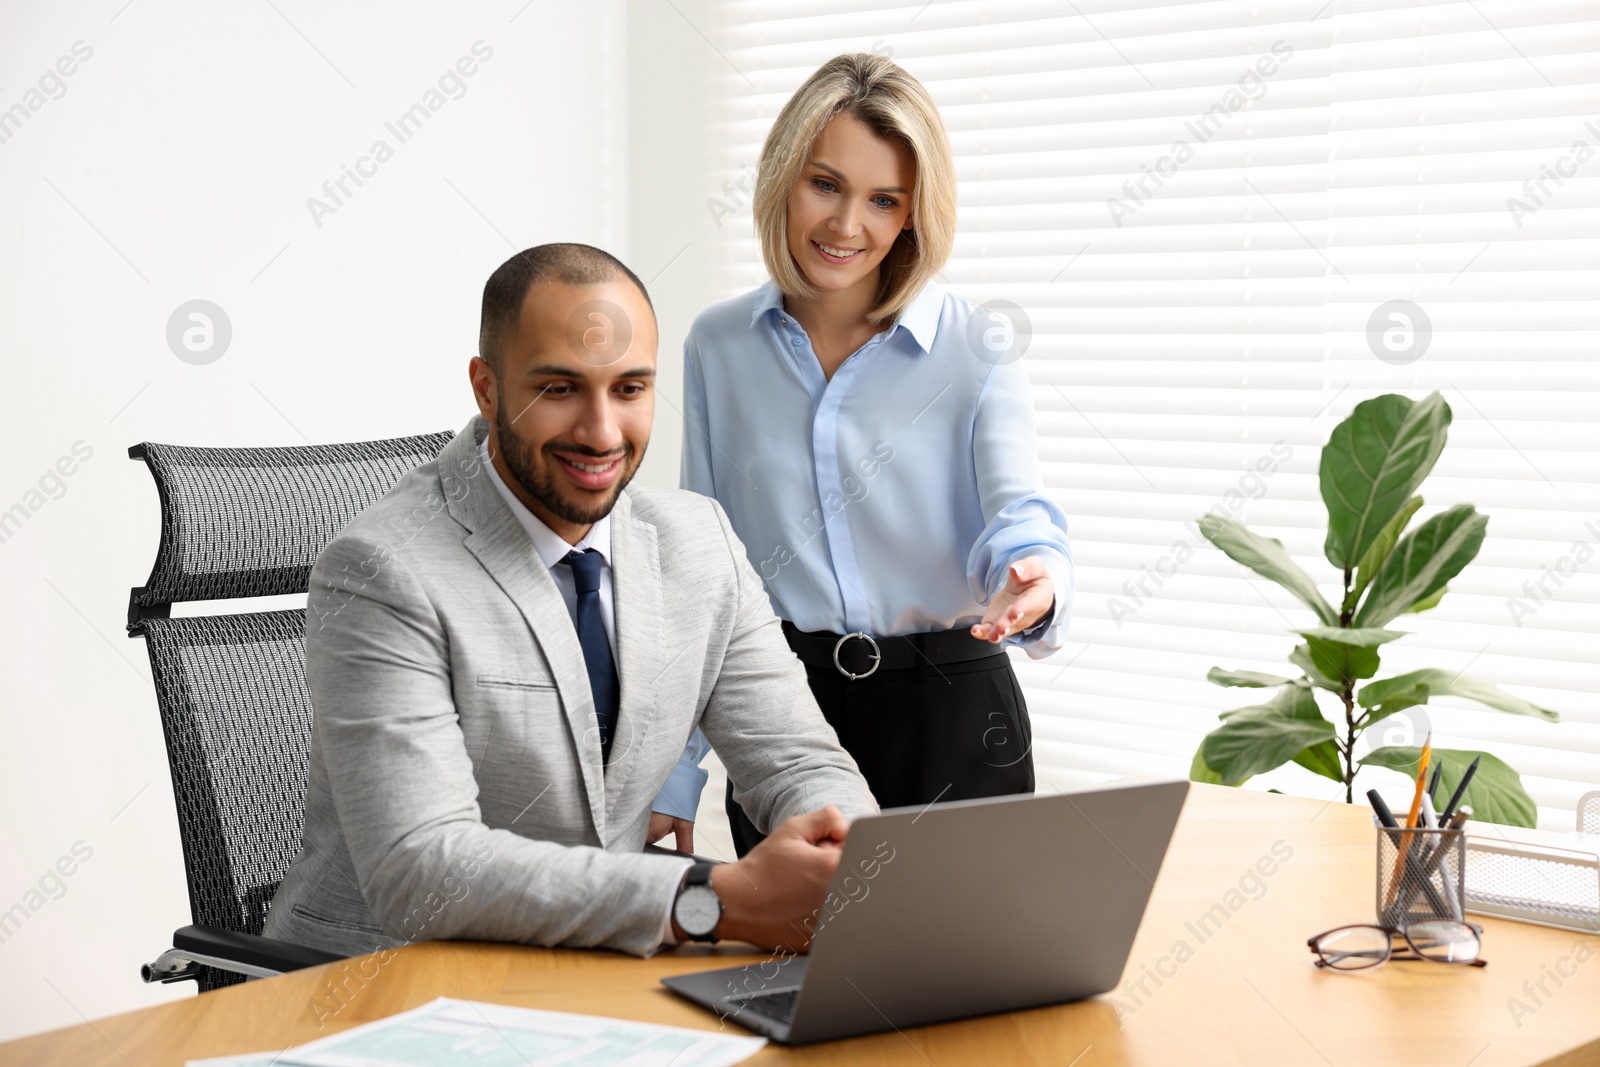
(858,655)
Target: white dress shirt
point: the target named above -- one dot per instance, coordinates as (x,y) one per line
(552,548)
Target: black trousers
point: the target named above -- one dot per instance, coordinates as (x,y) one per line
(948,732)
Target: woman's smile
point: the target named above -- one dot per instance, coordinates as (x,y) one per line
(835,254)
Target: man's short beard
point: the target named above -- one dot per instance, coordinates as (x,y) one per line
(520,463)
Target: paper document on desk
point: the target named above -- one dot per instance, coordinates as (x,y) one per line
(446,1032)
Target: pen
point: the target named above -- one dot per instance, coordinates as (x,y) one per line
(1419,879)
(1440,853)
(1385,816)
(1435,857)
(1457,821)
(1433,782)
(1461,789)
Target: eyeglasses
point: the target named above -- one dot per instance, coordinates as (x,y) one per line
(1363,946)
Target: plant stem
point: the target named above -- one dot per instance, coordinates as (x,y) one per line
(1348,696)
(1346,609)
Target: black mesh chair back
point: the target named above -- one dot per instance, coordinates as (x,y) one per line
(245,522)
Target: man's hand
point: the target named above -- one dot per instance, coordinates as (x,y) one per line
(773,897)
(1027,597)
(661,825)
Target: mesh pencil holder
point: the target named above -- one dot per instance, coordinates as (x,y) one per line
(1421,875)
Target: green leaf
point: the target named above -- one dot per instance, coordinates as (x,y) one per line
(1266,556)
(1251,742)
(1301,657)
(1428,603)
(1373,462)
(1422,563)
(1367,569)
(1199,771)
(1374,693)
(1494,795)
(1362,636)
(1246,679)
(1294,701)
(1322,759)
(1392,704)
(1445,683)
(1263,736)
(1345,655)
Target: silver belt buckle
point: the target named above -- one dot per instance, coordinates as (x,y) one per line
(877,655)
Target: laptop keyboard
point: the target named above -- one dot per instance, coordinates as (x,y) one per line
(774,1004)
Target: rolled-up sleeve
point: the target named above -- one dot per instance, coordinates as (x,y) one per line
(1020,519)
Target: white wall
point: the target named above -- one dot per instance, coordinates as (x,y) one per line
(177,165)
(677,243)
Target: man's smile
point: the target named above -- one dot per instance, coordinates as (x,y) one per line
(588,472)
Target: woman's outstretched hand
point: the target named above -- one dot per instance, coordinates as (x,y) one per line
(1027,597)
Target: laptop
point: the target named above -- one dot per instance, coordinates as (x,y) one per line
(961,909)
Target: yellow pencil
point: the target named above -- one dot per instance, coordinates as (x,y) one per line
(1422,782)
(1411,819)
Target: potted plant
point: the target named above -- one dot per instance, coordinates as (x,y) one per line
(1370,470)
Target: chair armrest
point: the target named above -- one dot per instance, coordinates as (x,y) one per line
(250,954)
(257,951)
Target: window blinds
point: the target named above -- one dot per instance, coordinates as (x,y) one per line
(1206,211)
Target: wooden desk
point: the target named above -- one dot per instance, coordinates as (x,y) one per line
(1220,974)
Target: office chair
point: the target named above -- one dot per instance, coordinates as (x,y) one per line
(243,522)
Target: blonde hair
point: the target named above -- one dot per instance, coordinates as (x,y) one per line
(893,105)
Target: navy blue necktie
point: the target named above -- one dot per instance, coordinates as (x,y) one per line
(596,648)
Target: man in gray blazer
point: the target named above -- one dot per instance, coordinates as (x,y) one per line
(508,652)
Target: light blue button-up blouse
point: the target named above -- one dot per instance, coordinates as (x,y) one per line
(889,499)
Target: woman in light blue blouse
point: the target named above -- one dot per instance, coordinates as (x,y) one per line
(871,438)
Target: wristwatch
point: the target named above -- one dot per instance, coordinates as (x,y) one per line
(698,909)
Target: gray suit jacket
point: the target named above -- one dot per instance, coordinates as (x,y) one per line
(456,787)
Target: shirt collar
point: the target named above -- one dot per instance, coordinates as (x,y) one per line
(920,318)
(768,298)
(550,546)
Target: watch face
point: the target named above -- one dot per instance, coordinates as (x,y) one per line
(698,910)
